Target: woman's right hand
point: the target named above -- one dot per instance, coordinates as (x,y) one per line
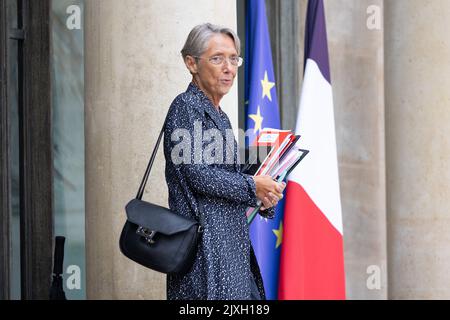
(268,190)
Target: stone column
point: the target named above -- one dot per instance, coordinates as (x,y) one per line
(418,148)
(357,74)
(133,71)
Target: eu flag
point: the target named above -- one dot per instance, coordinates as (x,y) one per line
(262,112)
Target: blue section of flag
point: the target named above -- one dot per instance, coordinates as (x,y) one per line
(262,112)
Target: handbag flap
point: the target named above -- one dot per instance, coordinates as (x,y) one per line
(157,218)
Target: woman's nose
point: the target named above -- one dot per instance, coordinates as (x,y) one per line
(226,65)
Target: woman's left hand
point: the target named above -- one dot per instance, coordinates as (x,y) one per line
(271,200)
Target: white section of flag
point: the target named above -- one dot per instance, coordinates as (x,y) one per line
(318,173)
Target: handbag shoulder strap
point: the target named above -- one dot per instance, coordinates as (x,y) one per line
(149,168)
(150,164)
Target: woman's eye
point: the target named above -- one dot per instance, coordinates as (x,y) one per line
(216,59)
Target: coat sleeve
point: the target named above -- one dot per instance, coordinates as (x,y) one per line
(203,178)
(216,182)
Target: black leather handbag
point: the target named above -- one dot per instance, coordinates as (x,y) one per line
(156,237)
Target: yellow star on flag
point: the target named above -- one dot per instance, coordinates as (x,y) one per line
(258,120)
(267,86)
(279,234)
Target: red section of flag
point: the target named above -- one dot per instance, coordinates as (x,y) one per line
(312,262)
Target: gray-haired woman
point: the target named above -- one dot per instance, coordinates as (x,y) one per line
(215,191)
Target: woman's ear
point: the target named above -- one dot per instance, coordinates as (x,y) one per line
(191,64)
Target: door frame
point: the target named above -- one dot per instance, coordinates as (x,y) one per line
(4,165)
(36,158)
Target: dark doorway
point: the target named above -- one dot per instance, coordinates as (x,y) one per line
(26,216)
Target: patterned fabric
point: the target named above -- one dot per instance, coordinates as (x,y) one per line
(215,192)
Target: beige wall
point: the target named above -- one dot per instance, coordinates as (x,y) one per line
(418,148)
(133,70)
(357,75)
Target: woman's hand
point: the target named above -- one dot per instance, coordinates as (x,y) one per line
(268,191)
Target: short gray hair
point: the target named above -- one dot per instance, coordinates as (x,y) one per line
(197,40)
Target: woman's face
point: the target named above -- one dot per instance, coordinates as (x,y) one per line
(216,79)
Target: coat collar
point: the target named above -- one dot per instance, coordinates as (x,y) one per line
(206,105)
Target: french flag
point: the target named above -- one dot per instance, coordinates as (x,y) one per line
(312,255)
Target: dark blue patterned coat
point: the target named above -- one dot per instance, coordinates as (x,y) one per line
(220,194)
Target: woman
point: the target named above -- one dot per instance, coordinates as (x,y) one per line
(203,184)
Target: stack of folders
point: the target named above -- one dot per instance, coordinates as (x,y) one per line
(281,156)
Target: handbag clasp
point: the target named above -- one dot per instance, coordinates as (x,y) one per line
(147,234)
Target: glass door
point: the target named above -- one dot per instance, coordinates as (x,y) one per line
(67,64)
